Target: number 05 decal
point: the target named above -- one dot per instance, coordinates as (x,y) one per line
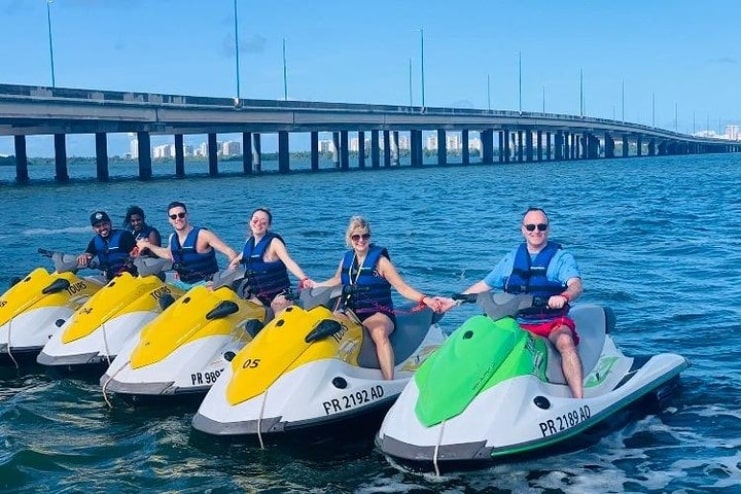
(251,363)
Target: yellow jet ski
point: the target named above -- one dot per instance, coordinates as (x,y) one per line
(34,307)
(185,349)
(311,368)
(99,330)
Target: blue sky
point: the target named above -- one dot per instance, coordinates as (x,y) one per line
(681,53)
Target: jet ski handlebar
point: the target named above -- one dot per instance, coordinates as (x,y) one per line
(500,305)
(65,262)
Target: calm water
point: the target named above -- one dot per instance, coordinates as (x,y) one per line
(656,239)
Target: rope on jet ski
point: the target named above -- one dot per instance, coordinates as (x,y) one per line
(105,342)
(437,449)
(259,420)
(10,352)
(105,384)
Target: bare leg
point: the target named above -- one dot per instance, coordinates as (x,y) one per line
(570,361)
(380,327)
(279,303)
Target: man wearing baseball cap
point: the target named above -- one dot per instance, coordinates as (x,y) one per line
(112,247)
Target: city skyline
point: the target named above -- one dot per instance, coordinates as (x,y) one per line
(611,61)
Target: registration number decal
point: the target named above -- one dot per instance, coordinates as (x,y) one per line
(352,400)
(565,421)
(205,377)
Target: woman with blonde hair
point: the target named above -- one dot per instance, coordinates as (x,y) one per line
(368,266)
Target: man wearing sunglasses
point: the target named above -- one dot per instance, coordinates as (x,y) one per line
(192,249)
(542,269)
(111,246)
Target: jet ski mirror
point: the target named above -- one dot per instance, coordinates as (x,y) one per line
(325,328)
(148,266)
(225,308)
(58,285)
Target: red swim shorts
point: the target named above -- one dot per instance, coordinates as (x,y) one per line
(545,329)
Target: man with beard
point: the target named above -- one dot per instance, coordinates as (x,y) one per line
(112,247)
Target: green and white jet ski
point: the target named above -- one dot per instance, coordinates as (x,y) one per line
(493,389)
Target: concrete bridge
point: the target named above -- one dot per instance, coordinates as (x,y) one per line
(517,136)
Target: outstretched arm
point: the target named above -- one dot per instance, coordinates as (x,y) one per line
(389,272)
(280,250)
(161,252)
(334,280)
(212,240)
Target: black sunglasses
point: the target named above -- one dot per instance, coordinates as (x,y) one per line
(357,237)
(540,226)
(179,215)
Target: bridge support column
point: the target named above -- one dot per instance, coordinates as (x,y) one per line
(639,147)
(101,156)
(487,146)
(626,145)
(60,157)
(652,147)
(442,151)
(395,147)
(21,160)
(213,155)
(375,155)
(558,145)
(257,157)
(548,152)
(344,151)
(361,149)
(465,158)
(507,152)
(609,146)
(247,153)
(528,145)
(179,156)
(314,150)
(144,148)
(539,145)
(501,146)
(520,146)
(284,155)
(336,151)
(386,148)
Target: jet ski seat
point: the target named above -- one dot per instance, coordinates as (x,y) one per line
(411,329)
(592,324)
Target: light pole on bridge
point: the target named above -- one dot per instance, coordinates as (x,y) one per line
(488,92)
(519,62)
(422,50)
(51,44)
(236,47)
(285,73)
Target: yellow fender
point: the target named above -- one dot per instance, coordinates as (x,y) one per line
(124,293)
(187,320)
(44,289)
(281,346)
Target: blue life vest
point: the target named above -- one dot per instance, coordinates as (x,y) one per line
(143,233)
(376,293)
(190,265)
(529,276)
(266,279)
(111,257)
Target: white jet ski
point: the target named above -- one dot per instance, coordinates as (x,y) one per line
(98,330)
(309,368)
(494,389)
(34,307)
(185,349)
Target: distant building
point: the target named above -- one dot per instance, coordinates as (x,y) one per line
(231,148)
(134,148)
